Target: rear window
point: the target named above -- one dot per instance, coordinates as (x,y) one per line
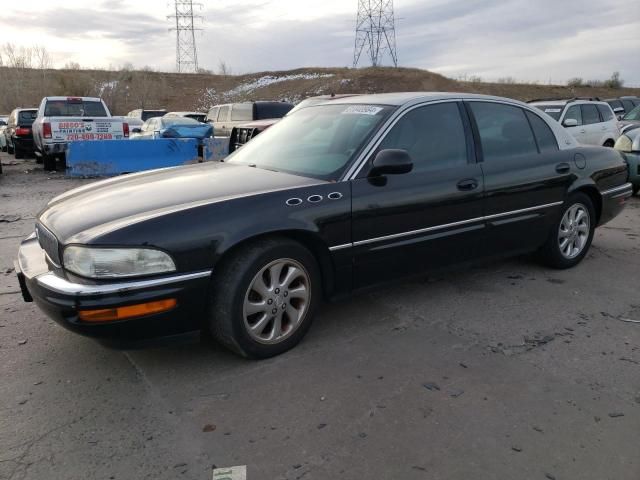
(553,111)
(26,117)
(544,136)
(605,112)
(74,108)
(242,112)
(147,114)
(272,110)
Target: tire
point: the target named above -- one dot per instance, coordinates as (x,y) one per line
(18,153)
(635,189)
(609,143)
(39,159)
(237,306)
(579,234)
(48,163)
(9,149)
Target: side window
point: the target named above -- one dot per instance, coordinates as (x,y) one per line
(544,135)
(504,131)
(433,135)
(223,114)
(242,112)
(575,113)
(590,114)
(605,112)
(627,104)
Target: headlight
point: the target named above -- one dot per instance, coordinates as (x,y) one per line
(116,262)
(623,144)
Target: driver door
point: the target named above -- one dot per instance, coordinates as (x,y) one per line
(427,218)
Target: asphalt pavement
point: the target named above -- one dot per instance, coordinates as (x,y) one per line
(504,371)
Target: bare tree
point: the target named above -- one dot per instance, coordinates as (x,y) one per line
(223,68)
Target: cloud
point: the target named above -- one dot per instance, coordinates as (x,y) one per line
(542,40)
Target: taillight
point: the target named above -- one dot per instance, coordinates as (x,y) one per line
(22,131)
(125,129)
(46,130)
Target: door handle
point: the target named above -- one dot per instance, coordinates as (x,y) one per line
(468,184)
(563,168)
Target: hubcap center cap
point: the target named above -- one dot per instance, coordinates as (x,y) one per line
(279,300)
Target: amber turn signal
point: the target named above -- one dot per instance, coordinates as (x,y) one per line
(130,311)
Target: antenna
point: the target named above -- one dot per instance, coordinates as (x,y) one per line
(375,32)
(186,51)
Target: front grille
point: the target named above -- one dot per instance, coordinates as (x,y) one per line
(49,243)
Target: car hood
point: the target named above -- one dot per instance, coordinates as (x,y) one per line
(102,207)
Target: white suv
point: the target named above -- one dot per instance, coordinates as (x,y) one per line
(590,122)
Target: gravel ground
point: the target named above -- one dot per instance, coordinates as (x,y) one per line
(504,371)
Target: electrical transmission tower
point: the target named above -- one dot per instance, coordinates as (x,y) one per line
(186,51)
(375,32)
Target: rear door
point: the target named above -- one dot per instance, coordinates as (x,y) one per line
(595,130)
(429,217)
(609,123)
(526,175)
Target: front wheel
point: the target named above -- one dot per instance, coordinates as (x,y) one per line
(571,236)
(264,298)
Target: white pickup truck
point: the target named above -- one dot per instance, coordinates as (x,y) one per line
(62,120)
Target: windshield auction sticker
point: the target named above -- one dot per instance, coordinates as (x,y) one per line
(361,110)
(230,473)
(552,110)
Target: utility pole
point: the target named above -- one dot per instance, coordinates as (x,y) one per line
(375,32)
(186,51)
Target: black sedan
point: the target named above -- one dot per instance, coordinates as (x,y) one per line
(332,199)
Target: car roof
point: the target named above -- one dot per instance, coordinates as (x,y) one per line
(566,102)
(185,113)
(88,99)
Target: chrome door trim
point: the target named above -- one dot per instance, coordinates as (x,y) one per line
(626,186)
(443,226)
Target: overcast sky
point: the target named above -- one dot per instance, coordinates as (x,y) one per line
(540,40)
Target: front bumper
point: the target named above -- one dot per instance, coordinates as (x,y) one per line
(61,299)
(614,201)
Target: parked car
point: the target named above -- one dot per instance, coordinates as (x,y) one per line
(199,116)
(3,126)
(590,122)
(18,134)
(333,199)
(225,117)
(146,114)
(630,120)
(62,120)
(623,105)
(629,145)
(172,127)
(241,134)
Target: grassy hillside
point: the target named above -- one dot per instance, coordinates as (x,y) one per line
(125,90)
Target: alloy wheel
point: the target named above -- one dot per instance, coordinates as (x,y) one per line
(574,230)
(277,301)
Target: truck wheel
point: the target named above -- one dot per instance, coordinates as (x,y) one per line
(571,235)
(9,149)
(38,158)
(18,153)
(48,162)
(635,189)
(264,297)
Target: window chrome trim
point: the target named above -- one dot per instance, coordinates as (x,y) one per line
(626,186)
(443,226)
(58,284)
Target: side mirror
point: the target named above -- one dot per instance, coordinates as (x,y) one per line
(570,122)
(391,162)
(136,130)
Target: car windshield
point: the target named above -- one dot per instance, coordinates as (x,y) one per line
(633,114)
(317,142)
(553,111)
(74,108)
(168,122)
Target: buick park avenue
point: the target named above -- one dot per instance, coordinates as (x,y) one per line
(334,198)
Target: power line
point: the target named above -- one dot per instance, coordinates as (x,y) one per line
(375,32)
(186,51)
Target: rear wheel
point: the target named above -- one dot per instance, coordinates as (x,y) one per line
(571,236)
(18,153)
(264,298)
(48,162)
(636,189)
(9,149)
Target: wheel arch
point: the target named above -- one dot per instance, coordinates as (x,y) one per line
(594,194)
(309,240)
